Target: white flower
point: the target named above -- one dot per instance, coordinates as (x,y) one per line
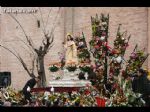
(123,38)
(118,59)
(104,23)
(46,98)
(102,38)
(88,65)
(46,93)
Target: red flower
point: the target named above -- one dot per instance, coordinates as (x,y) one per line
(96,46)
(87,85)
(115,86)
(105,43)
(111,70)
(120,89)
(87,92)
(108,47)
(114,51)
(100,102)
(123,72)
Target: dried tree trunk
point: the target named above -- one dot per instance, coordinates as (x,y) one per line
(41,70)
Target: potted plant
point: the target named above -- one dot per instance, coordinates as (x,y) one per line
(54,67)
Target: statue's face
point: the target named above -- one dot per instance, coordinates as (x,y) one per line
(68,37)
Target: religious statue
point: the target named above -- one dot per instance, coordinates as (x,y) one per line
(71,51)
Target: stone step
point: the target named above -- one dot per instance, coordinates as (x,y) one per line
(69,83)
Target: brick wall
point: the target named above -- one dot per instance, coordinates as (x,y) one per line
(134,20)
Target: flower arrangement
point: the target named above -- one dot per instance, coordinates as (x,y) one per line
(136,61)
(14,96)
(85,67)
(117,53)
(83,52)
(87,96)
(124,98)
(71,67)
(121,43)
(98,43)
(54,67)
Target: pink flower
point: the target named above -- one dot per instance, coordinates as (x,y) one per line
(96,46)
(87,85)
(103,33)
(115,86)
(97,38)
(133,55)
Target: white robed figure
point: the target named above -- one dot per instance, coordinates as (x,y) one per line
(71,50)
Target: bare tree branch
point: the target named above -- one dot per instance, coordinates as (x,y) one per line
(33,65)
(42,21)
(38,59)
(49,41)
(48,17)
(27,38)
(20,26)
(25,67)
(49,48)
(20,59)
(26,45)
(10,51)
(31,54)
(37,64)
(49,38)
(54,25)
(37,20)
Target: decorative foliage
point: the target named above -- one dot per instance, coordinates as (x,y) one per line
(83,53)
(136,61)
(12,95)
(98,43)
(54,67)
(117,53)
(71,67)
(109,62)
(85,68)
